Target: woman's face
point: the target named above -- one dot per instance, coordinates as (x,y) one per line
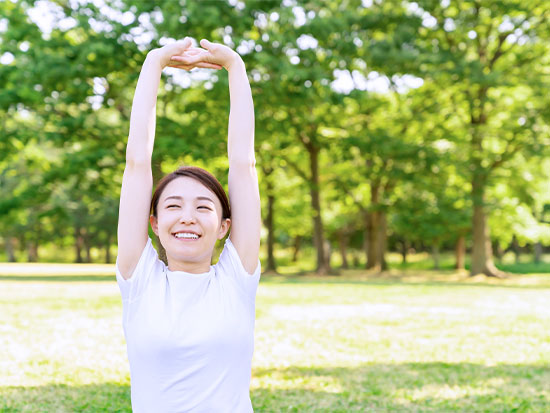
(186,206)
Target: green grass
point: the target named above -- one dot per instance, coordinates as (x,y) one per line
(411,341)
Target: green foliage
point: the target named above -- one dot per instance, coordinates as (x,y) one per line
(411,153)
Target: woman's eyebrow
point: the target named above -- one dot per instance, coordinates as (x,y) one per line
(180,198)
(205,198)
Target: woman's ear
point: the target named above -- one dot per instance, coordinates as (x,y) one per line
(154,224)
(224,227)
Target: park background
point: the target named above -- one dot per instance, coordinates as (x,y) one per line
(403,157)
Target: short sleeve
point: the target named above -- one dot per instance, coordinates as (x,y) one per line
(148,263)
(230,264)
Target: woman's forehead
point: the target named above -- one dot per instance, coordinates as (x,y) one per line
(185,188)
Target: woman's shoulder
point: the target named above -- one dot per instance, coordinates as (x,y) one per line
(149,267)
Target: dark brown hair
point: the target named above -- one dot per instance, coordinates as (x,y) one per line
(200,175)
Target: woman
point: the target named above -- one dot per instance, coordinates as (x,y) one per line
(189,326)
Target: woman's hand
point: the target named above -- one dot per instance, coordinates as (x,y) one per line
(181,49)
(213,53)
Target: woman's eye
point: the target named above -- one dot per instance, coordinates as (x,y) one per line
(204,207)
(170,206)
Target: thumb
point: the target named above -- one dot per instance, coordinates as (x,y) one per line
(206,44)
(186,43)
(182,45)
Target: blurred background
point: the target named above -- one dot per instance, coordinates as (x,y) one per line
(388,133)
(412,137)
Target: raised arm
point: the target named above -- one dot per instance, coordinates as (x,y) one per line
(137,181)
(244,194)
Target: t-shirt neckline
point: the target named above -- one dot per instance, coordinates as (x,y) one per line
(190,274)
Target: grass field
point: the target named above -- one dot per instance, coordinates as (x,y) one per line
(414,341)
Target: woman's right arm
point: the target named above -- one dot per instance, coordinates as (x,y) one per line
(137,181)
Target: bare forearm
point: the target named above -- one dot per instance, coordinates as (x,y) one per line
(143,118)
(241,116)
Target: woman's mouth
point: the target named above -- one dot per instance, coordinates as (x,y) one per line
(186,236)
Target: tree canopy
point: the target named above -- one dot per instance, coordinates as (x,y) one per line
(378,124)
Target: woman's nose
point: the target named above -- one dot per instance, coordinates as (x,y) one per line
(187,216)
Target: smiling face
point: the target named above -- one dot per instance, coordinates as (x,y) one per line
(186,206)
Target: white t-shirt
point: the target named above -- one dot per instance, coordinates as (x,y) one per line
(190,337)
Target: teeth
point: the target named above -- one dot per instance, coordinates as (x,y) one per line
(186,235)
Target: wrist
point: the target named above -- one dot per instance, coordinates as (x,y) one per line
(235,62)
(153,58)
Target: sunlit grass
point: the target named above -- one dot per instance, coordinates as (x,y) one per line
(402,341)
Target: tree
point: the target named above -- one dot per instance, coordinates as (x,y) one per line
(486,54)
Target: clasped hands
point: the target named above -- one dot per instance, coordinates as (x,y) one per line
(183,55)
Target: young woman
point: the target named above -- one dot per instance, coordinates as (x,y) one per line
(189,326)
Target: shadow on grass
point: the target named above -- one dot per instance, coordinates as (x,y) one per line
(525,268)
(104,397)
(376,387)
(521,268)
(437,387)
(411,280)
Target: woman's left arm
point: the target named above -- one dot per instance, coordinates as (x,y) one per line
(244,194)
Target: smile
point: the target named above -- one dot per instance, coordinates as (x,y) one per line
(186,236)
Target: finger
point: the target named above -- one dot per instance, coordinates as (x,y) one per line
(194,50)
(190,52)
(206,44)
(190,60)
(208,65)
(176,59)
(188,68)
(204,65)
(187,42)
(180,66)
(185,56)
(181,45)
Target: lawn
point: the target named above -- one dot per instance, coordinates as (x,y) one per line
(411,340)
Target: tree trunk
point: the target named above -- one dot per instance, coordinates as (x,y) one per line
(372,241)
(88,247)
(515,248)
(156,169)
(537,249)
(482,252)
(79,242)
(375,232)
(21,244)
(108,249)
(366,220)
(297,245)
(382,240)
(10,250)
(268,222)
(32,249)
(497,250)
(404,251)
(343,243)
(355,258)
(435,255)
(327,253)
(318,237)
(460,252)
(33,243)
